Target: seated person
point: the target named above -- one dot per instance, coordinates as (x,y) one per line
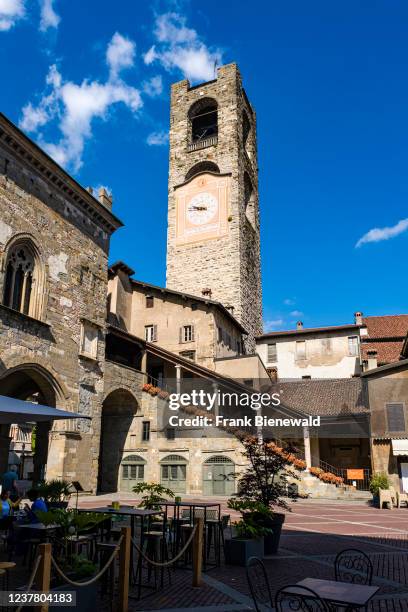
(38,504)
(6,505)
(8,482)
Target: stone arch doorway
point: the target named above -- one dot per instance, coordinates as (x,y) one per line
(218,476)
(173,473)
(29,382)
(132,472)
(118,410)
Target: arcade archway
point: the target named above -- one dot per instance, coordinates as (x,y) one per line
(118,410)
(28,382)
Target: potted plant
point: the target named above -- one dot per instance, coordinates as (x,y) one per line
(76,567)
(153,499)
(55,492)
(153,495)
(263,486)
(378,481)
(248,542)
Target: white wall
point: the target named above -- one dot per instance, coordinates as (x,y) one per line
(336,363)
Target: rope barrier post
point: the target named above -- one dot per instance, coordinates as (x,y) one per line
(44,573)
(124,568)
(198,551)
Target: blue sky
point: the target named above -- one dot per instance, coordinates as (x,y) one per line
(90,81)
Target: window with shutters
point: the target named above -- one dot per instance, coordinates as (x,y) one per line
(395,417)
(272,353)
(187,333)
(300,349)
(133,468)
(353,346)
(151,333)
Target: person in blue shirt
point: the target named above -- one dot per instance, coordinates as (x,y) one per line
(8,481)
(38,505)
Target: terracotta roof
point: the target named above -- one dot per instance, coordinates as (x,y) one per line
(388,326)
(387,352)
(324,397)
(385,335)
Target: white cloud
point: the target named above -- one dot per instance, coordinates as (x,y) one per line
(120,53)
(75,106)
(180,48)
(11,11)
(289,302)
(272,324)
(154,86)
(49,18)
(296,313)
(158,138)
(384,233)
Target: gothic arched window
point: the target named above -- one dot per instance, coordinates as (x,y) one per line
(22,279)
(203,119)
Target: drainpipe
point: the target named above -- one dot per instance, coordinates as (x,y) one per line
(178,378)
(308,455)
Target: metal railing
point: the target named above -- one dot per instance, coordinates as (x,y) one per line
(361,485)
(202,144)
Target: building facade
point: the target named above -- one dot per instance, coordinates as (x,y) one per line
(193,327)
(326,352)
(213,242)
(54,243)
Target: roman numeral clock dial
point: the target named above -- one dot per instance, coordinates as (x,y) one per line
(202,208)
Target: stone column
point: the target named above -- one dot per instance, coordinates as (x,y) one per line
(178,378)
(308,455)
(143,365)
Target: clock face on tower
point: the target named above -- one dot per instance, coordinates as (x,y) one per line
(202,208)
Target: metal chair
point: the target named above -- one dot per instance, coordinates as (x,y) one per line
(300,599)
(258,584)
(352,565)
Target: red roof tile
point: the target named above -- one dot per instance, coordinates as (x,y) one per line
(388,326)
(387,352)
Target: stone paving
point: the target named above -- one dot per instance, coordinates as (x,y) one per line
(314,532)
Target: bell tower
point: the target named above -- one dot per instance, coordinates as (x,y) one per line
(213,240)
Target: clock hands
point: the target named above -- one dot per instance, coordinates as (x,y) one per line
(198,208)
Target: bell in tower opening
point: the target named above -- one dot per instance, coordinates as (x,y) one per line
(213,236)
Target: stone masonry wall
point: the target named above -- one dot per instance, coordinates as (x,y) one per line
(73,252)
(230,265)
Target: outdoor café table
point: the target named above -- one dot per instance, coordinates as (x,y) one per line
(133,513)
(340,593)
(44,530)
(177,521)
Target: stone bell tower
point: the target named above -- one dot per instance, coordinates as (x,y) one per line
(213,240)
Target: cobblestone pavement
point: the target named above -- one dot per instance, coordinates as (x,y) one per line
(314,532)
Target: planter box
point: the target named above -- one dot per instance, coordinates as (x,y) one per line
(239,550)
(86,596)
(271,541)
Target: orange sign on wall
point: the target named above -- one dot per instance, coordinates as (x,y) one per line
(355,474)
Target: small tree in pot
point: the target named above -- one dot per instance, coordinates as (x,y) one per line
(263,486)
